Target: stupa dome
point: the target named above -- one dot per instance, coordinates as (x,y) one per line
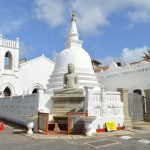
(76,55)
(73,53)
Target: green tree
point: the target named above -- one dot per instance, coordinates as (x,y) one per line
(146,54)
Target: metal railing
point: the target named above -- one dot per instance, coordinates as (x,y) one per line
(75,123)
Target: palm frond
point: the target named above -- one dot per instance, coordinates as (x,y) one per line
(146,54)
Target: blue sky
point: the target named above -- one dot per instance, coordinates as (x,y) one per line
(116,30)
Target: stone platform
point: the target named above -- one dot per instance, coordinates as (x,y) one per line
(62,135)
(64,103)
(141,125)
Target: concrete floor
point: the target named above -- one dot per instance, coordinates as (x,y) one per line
(15,138)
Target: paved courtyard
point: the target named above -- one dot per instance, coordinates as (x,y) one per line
(14,138)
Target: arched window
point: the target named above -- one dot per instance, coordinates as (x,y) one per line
(7,92)
(8,61)
(35,91)
(138,91)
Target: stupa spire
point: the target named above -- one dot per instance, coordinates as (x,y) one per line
(73,16)
(73,31)
(73,38)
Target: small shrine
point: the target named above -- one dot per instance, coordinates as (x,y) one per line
(74,101)
(74,90)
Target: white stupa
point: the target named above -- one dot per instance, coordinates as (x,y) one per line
(73,53)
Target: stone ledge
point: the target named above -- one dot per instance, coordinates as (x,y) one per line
(67,96)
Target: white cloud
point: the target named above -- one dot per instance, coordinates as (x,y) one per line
(127,56)
(93,15)
(108,60)
(54,55)
(50,11)
(139,16)
(90,16)
(131,55)
(6,27)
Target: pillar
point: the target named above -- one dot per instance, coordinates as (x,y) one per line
(124,99)
(147,95)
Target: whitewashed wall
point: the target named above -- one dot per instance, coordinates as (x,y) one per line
(106,106)
(23,77)
(13,108)
(35,74)
(131,77)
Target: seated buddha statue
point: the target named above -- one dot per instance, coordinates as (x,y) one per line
(70,82)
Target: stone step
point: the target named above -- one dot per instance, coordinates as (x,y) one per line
(147,127)
(64,111)
(61,105)
(141,125)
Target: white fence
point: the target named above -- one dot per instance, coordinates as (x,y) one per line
(113,103)
(9,43)
(112,97)
(13,108)
(104,101)
(106,106)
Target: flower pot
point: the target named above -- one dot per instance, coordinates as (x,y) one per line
(30,122)
(30,126)
(88,120)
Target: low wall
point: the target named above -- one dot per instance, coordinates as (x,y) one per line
(13,108)
(106,106)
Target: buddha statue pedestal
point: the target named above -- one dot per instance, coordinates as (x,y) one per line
(69,98)
(56,119)
(64,103)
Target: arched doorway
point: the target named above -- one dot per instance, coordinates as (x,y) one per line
(138,91)
(7,92)
(35,91)
(8,61)
(35,88)
(136,105)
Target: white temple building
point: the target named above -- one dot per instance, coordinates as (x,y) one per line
(104,105)
(21,77)
(135,76)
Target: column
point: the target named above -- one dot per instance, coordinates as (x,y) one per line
(1,38)
(147,94)
(124,99)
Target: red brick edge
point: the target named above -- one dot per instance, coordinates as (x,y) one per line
(1,126)
(105,129)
